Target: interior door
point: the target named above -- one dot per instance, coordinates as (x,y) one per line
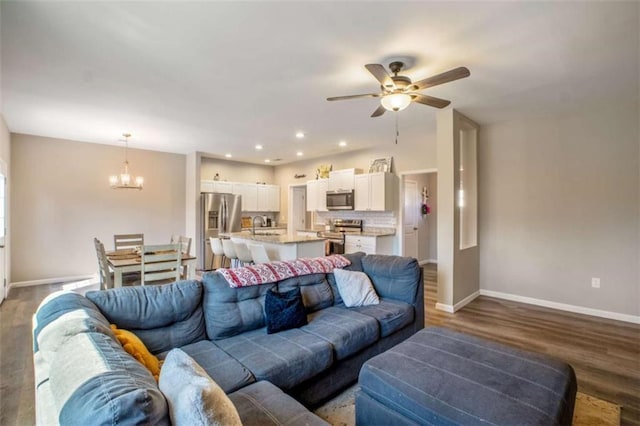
(411,213)
(3,230)
(298,204)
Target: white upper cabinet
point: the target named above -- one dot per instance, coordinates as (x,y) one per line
(375,192)
(317,195)
(224,187)
(255,198)
(342,180)
(268,198)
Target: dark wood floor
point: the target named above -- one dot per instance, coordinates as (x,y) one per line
(604,353)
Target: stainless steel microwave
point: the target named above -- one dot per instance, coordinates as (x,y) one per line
(340,200)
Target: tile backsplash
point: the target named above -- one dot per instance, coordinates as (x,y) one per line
(369,219)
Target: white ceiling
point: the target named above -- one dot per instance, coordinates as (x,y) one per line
(220,77)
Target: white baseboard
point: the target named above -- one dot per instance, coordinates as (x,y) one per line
(461,304)
(562,306)
(49,281)
(443,307)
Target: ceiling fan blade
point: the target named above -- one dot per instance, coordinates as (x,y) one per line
(429,100)
(342,98)
(378,112)
(381,75)
(445,77)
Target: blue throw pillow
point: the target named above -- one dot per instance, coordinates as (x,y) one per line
(284,310)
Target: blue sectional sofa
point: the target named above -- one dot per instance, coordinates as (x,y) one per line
(83,375)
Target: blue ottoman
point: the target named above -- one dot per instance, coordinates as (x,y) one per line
(442,377)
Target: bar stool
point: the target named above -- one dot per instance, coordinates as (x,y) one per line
(259,253)
(244,255)
(230,252)
(218,250)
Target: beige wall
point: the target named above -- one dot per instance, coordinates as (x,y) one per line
(235,171)
(559,204)
(411,153)
(62,199)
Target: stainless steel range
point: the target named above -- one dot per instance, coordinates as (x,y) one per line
(335,237)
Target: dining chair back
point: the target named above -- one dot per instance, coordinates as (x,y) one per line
(106,280)
(259,253)
(230,252)
(160,263)
(185,243)
(244,254)
(218,250)
(128,241)
(185,247)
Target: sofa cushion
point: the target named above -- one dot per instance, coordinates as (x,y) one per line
(134,347)
(193,397)
(346,330)
(390,314)
(71,313)
(225,370)
(284,359)
(263,404)
(162,316)
(94,381)
(393,276)
(231,311)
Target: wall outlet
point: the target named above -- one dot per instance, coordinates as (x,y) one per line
(595,282)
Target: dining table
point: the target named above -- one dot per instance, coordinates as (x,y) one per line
(127,261)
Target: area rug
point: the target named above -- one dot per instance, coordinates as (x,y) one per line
(340,411)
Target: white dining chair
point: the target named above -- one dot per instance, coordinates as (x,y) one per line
(217,250)
(106,278)
(244,254)
(230,252)
(160,264)
(185,247)
(128,241)
(259,253)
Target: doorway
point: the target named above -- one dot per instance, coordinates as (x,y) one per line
(3,230)
(297,208)
(420,216)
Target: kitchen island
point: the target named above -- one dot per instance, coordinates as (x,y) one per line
(282,247)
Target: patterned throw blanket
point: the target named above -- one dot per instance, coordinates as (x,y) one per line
(264,273)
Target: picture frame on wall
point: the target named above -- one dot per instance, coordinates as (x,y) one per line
(380,165)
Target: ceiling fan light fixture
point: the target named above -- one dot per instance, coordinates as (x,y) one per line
(395,101)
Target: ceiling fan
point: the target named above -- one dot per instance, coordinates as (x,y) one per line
(398,91)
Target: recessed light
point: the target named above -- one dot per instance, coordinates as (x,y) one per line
(299,154)
(300,135)
(258,147)
(342,143)
(228,155)
(267,160)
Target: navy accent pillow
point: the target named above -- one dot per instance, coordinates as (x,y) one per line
(284,310)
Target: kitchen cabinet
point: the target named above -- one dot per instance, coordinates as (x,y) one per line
(342,180)
(375,192)
(368,244)
(249,194)
(255,198)
(317,195)
(268,198)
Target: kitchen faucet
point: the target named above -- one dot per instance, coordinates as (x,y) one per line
(253,224)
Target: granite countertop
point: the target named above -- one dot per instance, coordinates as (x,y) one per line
(274,239)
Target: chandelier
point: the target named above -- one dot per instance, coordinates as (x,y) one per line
(124,180)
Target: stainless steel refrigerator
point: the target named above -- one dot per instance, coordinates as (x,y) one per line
(221,213)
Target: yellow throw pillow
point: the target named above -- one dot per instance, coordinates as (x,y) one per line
(134,346)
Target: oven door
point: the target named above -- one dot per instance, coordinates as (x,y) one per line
(333,247)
